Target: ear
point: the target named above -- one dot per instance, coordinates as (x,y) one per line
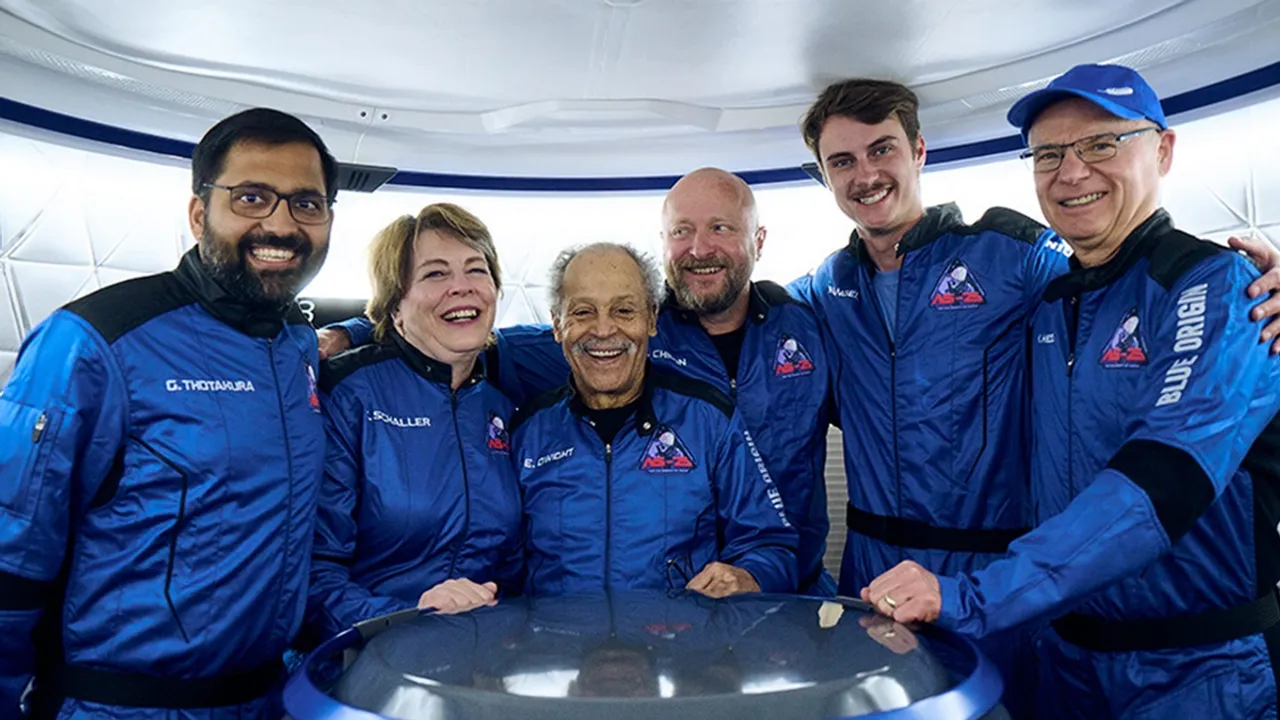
(555,328)
(1164,152)
(920,151)
(653,322)
(197,215)
(761,232)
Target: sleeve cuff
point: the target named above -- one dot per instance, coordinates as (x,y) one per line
(767,575)
(951,614)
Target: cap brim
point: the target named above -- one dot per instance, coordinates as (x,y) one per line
(1024,112)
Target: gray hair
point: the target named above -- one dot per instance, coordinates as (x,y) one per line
(650,273)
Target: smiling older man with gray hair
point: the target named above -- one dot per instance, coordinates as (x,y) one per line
(634,478)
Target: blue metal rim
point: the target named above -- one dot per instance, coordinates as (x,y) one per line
(1222,91)
(972,698)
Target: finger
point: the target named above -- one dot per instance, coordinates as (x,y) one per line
(727,585)
(889,578)
(1240,243)
(472,593)
(1268,282)
(445,601)
(919,608)
(719,582)
(1275,347)
(491,586)
(886,584)
(1271,331)
(1258,249)
(701,580)
(1267,308)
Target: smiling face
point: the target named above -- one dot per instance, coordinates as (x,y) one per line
(603,324)
(1094,207)
(874,172)
(711,240)
(262,259)
(448,307)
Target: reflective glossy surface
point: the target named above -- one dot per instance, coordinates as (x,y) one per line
(647,655)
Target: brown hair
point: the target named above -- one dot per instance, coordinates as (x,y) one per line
(391,256)
(870,102)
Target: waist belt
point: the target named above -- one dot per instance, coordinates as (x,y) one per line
(1182,631)
(916,534)
(110,687)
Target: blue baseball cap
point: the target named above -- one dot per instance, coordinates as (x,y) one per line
(1117,89)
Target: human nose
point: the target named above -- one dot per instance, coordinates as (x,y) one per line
(280,221)
(604,326)
(1073,169)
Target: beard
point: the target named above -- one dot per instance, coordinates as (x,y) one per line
(736,277)
(227,262)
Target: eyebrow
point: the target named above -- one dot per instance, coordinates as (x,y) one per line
(272,188)
(441,261)
(1092,136)
(609,301)
(878,141)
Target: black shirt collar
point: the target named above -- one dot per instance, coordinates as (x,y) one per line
(937,221)
(1137,245)
(253,319)
(428,367)
(645,419)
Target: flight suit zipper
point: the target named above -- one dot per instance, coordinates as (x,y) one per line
(466,488)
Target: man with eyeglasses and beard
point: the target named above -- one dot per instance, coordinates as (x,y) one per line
(162,446)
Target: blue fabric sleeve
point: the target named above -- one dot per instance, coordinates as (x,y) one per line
(751,516)
(358,328)
(1210,390)
(62,423)
(531,362)
(1046,261)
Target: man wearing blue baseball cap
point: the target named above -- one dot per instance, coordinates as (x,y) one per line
(1156,453)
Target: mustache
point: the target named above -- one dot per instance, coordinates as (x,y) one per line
(714,261)
(295,241)
(858,192)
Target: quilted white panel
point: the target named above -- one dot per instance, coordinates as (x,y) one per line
(10,334)
(24,195)
(69,211)
(42,288)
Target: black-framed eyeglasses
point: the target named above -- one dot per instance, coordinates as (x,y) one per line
(256,201)
(1093,149)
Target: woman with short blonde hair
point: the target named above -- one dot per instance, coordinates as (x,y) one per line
(420,505)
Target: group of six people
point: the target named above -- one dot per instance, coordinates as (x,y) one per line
(1058,441)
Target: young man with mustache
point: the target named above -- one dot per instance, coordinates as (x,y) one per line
(162,448)
(927,318)
(1154,476)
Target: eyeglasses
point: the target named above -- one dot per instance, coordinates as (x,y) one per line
(1093,149)
(256,201)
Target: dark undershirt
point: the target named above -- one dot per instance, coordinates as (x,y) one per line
(609,422)
(730,347)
